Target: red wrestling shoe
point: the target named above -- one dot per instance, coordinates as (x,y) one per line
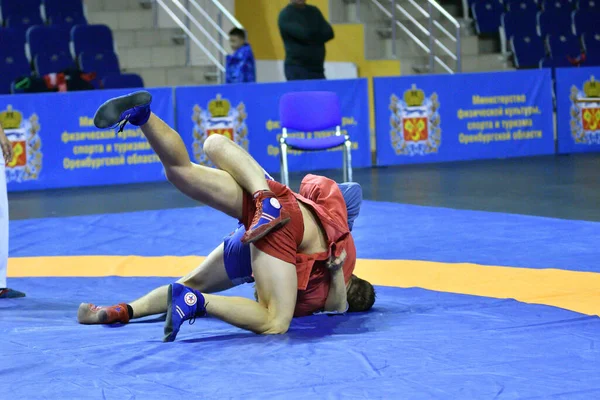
(269,216)
(89,314)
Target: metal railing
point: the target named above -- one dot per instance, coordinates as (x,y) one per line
(392,9)
(210,44)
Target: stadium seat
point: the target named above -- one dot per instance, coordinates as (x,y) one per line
(101,63)
(51,63)
(563,48)
(527,50)
(585,21)
(591,41)
(592,59)
(122,81)
(558,5)
(47,40)
(588,5)
(23,23)
(12,66)
(555,22)
(64,12)
(92,39)
(20,9)
(487,16)
(12,40)
(519,23)
(514,5)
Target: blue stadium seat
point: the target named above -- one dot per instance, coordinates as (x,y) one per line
(558,5)
(12,40)
(64,12)
(487,16)
(555,22)
(92,38)
(123,81)
(47,40)
(514,5)
(588,5)
(51,63)
(12,66)
(23,22)
(519,23)
(527,50)
(563,47)
(585,21)
(20,9)
(592,59)
(101,63)
(591,41)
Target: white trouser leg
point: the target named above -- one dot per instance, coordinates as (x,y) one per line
(3,225)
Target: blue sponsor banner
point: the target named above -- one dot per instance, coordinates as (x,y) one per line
(578,109)
(249,115)
(464,116)
(57,145)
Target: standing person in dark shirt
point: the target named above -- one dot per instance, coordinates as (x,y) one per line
(304,31)
(240,66)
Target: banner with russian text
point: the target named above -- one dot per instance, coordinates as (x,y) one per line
(578,109)
(463,116)
(249,115)
(56,144)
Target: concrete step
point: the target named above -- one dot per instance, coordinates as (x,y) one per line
(123,20)
(115,5)
(147,37)
(153,56)
(179,76)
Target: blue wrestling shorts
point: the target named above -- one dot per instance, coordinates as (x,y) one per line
(236,255)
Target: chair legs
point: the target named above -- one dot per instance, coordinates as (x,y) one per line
(285,178)
(347,160)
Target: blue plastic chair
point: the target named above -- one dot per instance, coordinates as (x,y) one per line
(122,81)
(310,112)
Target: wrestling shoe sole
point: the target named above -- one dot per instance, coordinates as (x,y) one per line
(85,316)
(109,113)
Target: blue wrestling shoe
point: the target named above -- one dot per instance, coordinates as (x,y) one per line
(183,304)
(269,215)
(353,197)
(133,108)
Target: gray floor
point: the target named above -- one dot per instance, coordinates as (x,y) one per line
(555,186)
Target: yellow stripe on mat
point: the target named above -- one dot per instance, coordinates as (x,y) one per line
(576,291)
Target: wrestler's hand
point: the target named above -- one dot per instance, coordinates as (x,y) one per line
(334,264)
(6,146)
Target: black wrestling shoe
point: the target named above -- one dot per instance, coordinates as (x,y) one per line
(133,108)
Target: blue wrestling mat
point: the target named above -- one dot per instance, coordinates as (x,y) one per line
(414,344)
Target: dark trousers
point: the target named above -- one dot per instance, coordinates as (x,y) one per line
(299,73)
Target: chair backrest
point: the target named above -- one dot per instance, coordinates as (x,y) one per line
(523,6)
(519,23)
(528,50)
(487,16)
(12,40)
(92,38)
(586,20)
(584,5)
(101,63)
(563,46)
(558,5)
(52,63)
(20,8)
(123,81)
(52,7)
(12,66)
(23,22)
(555,22)
(591,41)
(310,111)
(47,40)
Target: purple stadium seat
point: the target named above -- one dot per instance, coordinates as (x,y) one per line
(122,81)
(12,66)
(92,39)
(555,22)
(487,16)
(324,109)
(527,50)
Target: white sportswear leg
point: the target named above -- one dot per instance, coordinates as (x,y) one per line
(3,224)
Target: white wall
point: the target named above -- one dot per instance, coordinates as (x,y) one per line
(272,71)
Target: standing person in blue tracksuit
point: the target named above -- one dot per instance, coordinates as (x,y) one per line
(240,66)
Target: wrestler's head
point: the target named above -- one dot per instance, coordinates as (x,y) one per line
(360,294)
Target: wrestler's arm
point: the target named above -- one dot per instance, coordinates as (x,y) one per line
(337,301)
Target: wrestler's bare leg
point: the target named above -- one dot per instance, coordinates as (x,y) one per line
(209,277)
(213,187)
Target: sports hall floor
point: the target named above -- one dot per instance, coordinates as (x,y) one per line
(487,274)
